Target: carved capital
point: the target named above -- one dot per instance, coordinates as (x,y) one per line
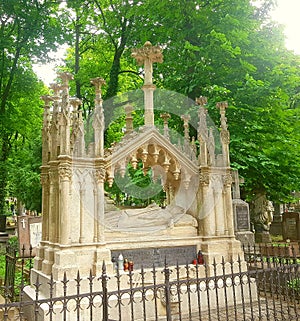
(227,179)
(44,179)
(64,172)
(204,178)
(100,175)
(53,176)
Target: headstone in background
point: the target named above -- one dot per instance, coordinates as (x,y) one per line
(29,233)
(291,226)
(276,225)
(241,214)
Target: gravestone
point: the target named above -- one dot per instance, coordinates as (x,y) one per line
(241,213)
(29,234)
(291,226)
(276,225)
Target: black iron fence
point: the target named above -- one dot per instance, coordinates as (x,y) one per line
(263,287)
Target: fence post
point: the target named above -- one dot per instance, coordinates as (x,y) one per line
(104,293)
(10,270)
(167,291)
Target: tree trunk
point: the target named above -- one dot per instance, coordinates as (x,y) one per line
(4,172)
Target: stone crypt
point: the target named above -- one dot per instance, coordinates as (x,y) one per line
(81,228)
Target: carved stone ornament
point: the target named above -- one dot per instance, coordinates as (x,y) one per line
(100,175)
(44,179)
(227,179)
(225,137)
(204,178)
(65,172)
(53,176)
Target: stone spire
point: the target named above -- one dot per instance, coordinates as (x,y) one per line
(64,116)
(202,130)
(54,127)
(146,56)
(46,126)
(98,122)
(224,134)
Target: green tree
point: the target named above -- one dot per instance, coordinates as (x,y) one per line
(225,50)
(29,30)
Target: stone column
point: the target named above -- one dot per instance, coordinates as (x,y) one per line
(219,210)
(53,204)
(146,56)
(98,122)
(45,203)
(100,219)
(65,173)
(166,117)
(40,253)
(81,212)
(207,205)
(227,182)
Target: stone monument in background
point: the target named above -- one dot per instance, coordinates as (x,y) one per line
(241,214)
(262,211)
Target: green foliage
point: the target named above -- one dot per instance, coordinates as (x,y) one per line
(294,285)
(136,188)
(225,50)
(29,30)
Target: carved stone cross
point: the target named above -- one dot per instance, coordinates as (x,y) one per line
(23,223)
(146,56)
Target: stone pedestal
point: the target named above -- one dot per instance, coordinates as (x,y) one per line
(262,237)
(276,225)
(246,238)
(215,249)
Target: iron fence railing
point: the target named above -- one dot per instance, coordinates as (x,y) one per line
(265,288)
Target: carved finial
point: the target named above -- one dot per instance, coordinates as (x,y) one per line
(201,101)
(146,56)
(65,77)
(75,102)
(47,99)
(186,119)
(222,106)
(224,134)
(98,83)
(166,117)
(56,89)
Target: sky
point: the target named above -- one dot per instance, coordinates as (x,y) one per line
(287,13)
